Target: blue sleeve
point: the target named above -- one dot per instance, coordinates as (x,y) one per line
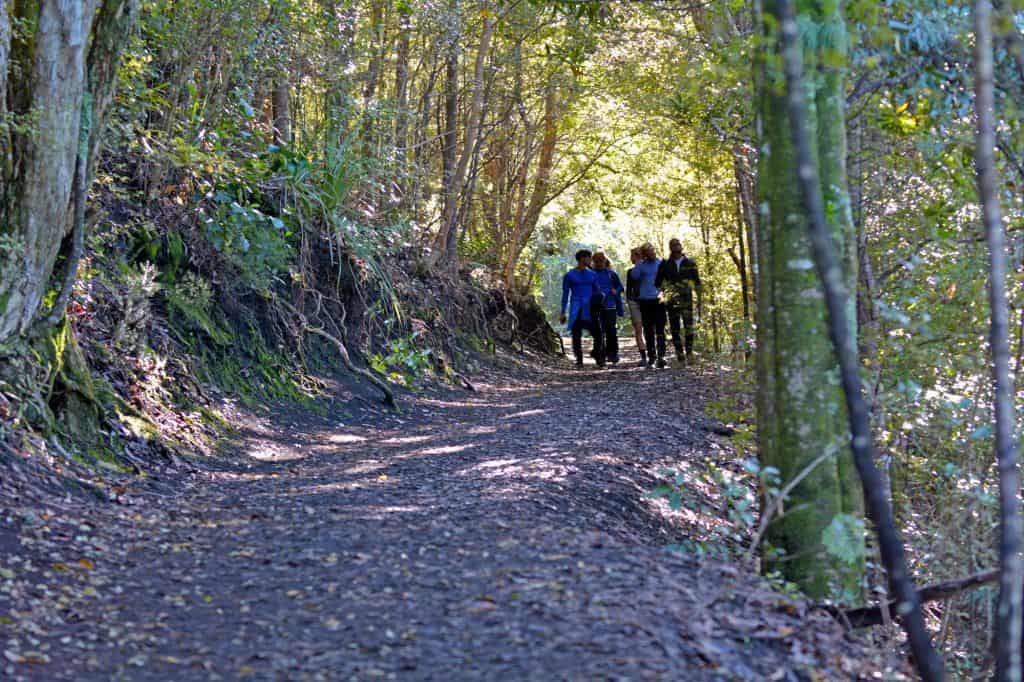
(618,297)
(565,291)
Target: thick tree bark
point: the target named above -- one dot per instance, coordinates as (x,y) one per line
(82,42)
(835,283)
(800,403)
(1007,635)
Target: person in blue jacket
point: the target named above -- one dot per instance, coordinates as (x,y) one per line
(652,311)
(580,285)
(611,286)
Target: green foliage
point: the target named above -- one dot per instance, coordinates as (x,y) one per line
(844,538)
(406,360)
(722,493)
(256,243)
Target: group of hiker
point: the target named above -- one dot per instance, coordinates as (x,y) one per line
(656,291)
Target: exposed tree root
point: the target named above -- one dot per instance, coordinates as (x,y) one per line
(306,328)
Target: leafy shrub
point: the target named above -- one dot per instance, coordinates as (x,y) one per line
(405,362)
(256,243)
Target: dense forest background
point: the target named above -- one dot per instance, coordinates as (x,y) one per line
(232,197)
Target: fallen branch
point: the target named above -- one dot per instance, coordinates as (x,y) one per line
(389,395)
(872,615)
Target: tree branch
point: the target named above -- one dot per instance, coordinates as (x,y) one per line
(873,615)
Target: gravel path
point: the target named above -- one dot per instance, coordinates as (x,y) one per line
(496,535)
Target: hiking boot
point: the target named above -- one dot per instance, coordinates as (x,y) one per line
(650,363)
(661,363)
(643,358)
(579,364)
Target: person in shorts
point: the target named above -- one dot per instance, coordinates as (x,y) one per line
(633,301)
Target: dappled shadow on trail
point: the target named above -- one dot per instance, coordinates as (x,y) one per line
(498,535)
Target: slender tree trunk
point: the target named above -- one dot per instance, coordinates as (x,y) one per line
(527,222)
(835,285)
(338,98)
(446,244)
(449,141)
(282,112)
(401,140)
(419,191)
(376,64)
(747,197)
(1007,635)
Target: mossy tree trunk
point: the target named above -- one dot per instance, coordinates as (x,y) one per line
(800,402)
(58,66)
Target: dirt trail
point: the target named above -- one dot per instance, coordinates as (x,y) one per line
(497,535)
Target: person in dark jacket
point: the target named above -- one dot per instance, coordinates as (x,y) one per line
(611,309)
(678,279)
(633,301)
(580,285)
(652,311)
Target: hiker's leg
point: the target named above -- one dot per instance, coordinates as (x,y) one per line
(673,313)
(598,335)
(659,328)
(688,324)
(577,340)
(638,325)
(610,324)
(649,313)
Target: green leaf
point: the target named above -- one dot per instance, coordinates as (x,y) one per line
(844,538)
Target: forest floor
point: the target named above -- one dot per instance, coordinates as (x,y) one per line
(503,534)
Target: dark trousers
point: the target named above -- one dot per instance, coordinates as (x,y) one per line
(610,331)
(652,312)
(674,314)
(594,327)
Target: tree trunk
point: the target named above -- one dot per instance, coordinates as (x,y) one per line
(282,112)
(1007,635)
(81,41)
(338,98)
(539,197)
(747,195)
(401,141)
(374,68)
(446,245)
(835,289)
(801,406)
(741,267)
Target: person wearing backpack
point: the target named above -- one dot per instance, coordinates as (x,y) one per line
(678,279)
